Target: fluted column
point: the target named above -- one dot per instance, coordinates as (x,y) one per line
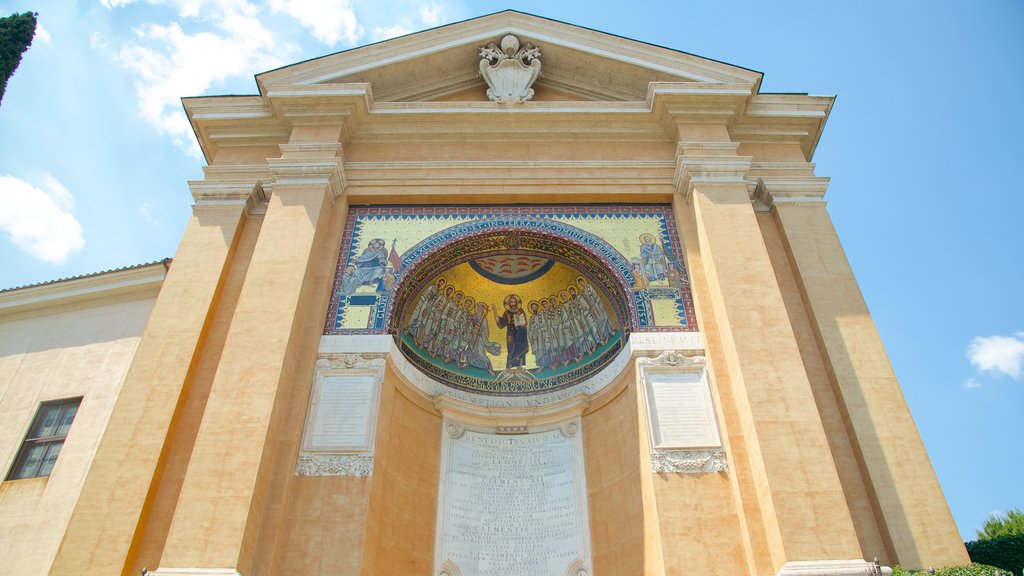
(803,509)
(218,514)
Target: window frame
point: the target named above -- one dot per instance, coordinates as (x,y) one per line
(52,443)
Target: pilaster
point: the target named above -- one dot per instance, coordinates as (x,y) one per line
(128,462)
(803,509)
(219,510)
(908,502)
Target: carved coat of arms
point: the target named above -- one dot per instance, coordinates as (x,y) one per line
(510,70)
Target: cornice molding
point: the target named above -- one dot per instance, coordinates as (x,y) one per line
(784,119)
(321,104)
(234,121)
(267,120)
(137,280)
(470,33)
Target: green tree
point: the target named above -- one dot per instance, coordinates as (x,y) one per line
(999,525)
(16,33)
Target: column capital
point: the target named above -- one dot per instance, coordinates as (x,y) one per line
(310,164)
(708,163)
(244,193)
(800,191)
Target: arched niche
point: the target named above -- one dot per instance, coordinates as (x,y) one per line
(506,308)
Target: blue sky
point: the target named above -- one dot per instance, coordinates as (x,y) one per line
(923,148)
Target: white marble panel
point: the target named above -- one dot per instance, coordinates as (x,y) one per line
(680,411)
(341,421)
(512,505)
(341,415)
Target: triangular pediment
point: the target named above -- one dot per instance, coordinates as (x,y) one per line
(442,64)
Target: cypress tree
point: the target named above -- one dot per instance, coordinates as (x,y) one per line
(16,33)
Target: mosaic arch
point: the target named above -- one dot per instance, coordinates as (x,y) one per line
(510,300)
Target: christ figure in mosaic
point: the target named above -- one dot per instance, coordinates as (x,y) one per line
(513,320)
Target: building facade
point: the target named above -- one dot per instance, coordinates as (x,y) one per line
(504,297)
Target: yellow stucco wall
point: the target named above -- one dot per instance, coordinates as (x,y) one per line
(80,350)
(614,464)
(399,536)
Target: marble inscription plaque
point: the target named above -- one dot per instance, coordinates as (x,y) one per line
(514,505)
(343,414)
(681,412)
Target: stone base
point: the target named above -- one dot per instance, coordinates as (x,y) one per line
(833,568)
(194,572)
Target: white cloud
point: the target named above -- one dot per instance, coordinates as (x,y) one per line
(97,42)
(42,35)
(38,219)
(145,210)
(170,62)
(430,14)
(330,21)
(1000,354)
(433,13)
(383,33)
(971,384)
(210,42)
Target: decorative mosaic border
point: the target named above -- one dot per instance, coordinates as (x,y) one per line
(534,218)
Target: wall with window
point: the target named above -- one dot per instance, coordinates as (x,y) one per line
(64,350)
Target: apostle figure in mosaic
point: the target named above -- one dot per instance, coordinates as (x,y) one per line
(479,343)
(538,332)
(366,269)
(597,309)
(431,314)
(451,327)
(569,331)
(652,256)
(589,335)
(460,341)
(556,334)
(513,320)
(424,305)
(440,321)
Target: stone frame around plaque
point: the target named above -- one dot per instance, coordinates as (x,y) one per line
(569,429)
(342,455)
(700,453)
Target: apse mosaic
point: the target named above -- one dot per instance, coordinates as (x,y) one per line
(510,300)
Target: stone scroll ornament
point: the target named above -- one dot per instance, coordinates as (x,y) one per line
(510,70)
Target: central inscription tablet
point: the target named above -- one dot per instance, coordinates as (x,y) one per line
(513,504)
